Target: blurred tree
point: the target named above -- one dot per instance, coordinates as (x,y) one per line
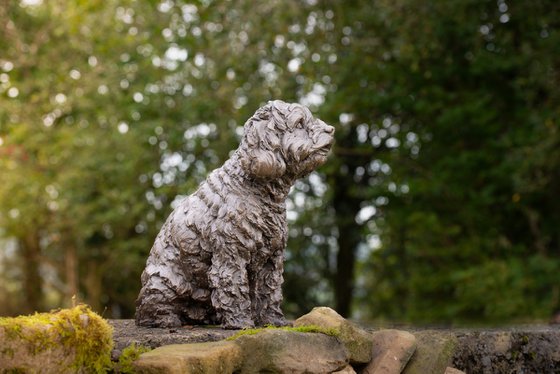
(467,227)
(440,195)
(80,145)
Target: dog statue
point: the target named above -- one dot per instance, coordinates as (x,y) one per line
(218,258)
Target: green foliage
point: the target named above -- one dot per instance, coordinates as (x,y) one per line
(459,245)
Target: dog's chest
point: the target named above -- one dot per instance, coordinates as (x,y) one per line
(262,227)
(245,222)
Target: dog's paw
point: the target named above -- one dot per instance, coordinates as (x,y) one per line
(276,322)
(238,324)
(167,321)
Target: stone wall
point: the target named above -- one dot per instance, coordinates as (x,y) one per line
(78,340)
(529,349)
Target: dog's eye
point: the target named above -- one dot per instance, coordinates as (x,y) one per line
(299,124)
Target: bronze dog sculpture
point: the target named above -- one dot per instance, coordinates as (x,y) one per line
(219,256)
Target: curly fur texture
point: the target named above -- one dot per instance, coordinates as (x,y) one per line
(219,256)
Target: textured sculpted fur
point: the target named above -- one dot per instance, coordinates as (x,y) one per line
(219,256)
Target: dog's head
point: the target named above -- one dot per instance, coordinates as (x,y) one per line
(284,139)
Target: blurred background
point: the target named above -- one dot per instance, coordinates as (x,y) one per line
(439,204)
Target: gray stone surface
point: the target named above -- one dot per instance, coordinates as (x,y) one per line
(529,349)
(126,333)
(218,258)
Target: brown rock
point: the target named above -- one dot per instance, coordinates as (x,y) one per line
(450,370)
(278,351)
(391,352)
(200,358)
(357,341)
(347,370)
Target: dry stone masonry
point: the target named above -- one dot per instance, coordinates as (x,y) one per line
(344,348)
(77,340)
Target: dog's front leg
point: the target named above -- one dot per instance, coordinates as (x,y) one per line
(268,292)
(230,289)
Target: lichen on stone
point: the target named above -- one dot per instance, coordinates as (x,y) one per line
(307,329)
(356,340)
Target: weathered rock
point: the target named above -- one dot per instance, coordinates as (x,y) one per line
(533,349)
(68,341)
(391,352)
(434,352)
(197,358)
(450,370)
(278,351)
(529,349)
(357,341)
(347,370)
(127,333)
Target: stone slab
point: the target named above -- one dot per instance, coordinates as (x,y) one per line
(222,357)
(277,351)
(125,333)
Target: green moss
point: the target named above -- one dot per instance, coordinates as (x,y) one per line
(128,356)
(78,330)
(305,329)
(16,371)
(8,352)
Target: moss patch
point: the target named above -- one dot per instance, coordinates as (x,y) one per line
(78,332)
(128,356)
(308,328)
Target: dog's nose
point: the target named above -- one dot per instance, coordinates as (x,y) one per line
(329,129)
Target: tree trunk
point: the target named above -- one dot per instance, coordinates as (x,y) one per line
(93,285)
(71,274)
(32,281)
(344,278)
(349,236)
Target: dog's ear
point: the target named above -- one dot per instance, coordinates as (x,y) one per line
(266,165)
(263,157)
